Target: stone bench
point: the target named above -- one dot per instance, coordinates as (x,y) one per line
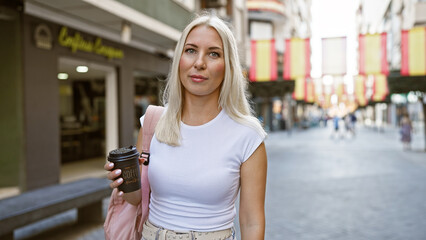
(86,195)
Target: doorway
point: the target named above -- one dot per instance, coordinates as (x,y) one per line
(88,116)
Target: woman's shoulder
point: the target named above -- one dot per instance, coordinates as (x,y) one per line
(245,126)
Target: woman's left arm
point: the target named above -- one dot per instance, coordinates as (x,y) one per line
(252,195)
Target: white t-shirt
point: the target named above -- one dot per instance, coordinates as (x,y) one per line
(194,186)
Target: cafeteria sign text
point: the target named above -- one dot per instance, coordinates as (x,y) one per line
(77,42)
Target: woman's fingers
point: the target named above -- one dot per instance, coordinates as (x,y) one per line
(116,183)
(112,175)
(109,166)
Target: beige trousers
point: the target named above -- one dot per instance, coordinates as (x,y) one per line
(152,232)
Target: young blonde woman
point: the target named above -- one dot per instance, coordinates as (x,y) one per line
(207,145)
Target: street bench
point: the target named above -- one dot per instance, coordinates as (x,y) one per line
(86,195)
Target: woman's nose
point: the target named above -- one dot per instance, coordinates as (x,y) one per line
(200,63)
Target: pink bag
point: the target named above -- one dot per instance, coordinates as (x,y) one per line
(124,220)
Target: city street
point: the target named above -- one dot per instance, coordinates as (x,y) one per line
(366,187)
(334,188)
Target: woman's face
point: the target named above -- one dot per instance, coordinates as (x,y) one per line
(202,64)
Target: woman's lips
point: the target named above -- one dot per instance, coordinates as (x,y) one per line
(198,78)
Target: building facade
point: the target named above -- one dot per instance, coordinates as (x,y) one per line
(77,75)
(407,92)
(276,21)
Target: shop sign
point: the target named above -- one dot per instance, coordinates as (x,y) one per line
(78,43)
(43,37)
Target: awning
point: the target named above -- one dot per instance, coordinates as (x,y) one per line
(405,84)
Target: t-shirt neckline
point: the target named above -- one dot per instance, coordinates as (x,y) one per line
(218,116)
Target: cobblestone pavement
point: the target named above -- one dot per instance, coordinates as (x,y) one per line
(322,186)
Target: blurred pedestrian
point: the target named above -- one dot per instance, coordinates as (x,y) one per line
(353,122)
(405,132)
(349,121)
(336,120)
(324,118)
(207,145)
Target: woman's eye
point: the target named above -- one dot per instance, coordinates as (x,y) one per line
(215,54)
(190,50)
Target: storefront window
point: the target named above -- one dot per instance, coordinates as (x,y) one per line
(82,113)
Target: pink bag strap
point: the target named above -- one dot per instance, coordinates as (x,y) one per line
(152,115)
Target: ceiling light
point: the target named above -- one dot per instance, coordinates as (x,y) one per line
(82,69)
(126,32)
(63,76)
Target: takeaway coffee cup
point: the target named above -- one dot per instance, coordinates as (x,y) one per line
(126,159)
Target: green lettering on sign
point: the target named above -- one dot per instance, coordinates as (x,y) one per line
(78,43)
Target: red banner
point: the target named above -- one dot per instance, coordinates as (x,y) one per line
(380,88)
(263,61)
(372,54)
(299,88)
(413,52)
(297,58)
(360,90)
(309,90)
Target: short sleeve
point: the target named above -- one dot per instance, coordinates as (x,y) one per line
(141,120)
(252,142)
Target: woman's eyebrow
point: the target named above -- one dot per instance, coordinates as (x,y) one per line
(215,48)
(191,44)
(210,48)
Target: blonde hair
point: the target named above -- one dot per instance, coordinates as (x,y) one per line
(233,92)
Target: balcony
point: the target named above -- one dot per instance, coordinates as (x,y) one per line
(266,10)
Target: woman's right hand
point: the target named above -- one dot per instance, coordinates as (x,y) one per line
(113,175)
